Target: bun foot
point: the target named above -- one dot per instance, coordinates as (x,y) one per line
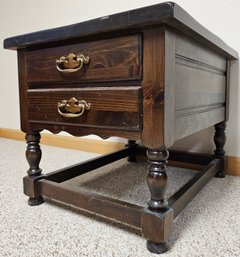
(157,247)
(220,174)
(132,159)
(34,201)
(132,144)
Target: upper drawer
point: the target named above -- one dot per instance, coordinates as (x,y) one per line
(109,59)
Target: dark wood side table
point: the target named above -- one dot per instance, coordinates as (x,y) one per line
(153,74)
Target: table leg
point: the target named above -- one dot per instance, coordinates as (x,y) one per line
(157,219)
(33,156)
(220,140)
(132,144)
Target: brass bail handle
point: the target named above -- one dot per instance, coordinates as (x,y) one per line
(72,108)
(71,63)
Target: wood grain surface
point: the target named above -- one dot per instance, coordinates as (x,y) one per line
(110,108)
(110,59)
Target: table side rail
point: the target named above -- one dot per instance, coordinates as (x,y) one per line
(184,196)
(123,212)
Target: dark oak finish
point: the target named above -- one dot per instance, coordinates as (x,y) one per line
(153,87)
(157,178)
(155,75)
(219,140)
(169,88)
(123,212)
(133,146)
(110,59)
(200,89)
(23,87)
(110,108)
(33,155)
(82,131)
(158,218)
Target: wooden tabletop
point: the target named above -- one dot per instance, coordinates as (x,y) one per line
(166,13)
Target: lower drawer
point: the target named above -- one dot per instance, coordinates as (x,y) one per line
(103,108)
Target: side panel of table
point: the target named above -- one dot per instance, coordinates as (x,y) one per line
(199,76)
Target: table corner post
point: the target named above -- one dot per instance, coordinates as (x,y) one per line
(33,156)
(157,219)
(220,140)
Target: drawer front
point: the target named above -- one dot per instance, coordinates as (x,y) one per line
(110,59)
(109,108)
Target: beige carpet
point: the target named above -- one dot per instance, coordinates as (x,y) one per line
(209,226)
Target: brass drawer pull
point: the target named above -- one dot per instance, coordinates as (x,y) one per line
(72,108)
(71,63)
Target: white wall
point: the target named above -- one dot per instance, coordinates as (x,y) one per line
(18,17)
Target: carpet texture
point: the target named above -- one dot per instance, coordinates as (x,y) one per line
(209,226)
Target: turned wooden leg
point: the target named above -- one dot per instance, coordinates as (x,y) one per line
(219,140)
(132,144)
(157,219)
(33,155)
